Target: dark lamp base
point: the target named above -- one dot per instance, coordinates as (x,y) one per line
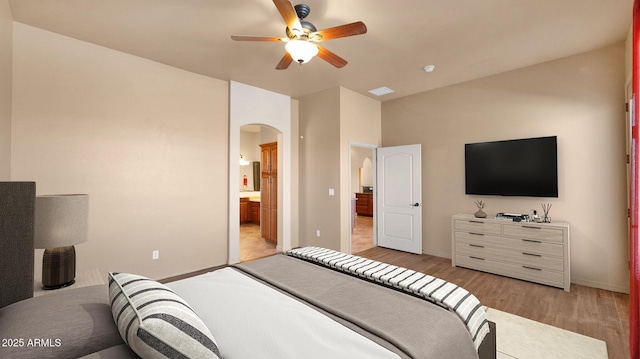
(50,287)
(58,267)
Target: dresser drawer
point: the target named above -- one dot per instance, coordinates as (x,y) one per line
(477,226)
(525,245)
(533,231)
(519,271)
(536,246)
(502,254)
(479,238)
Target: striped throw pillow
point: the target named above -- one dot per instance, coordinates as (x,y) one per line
(155,322)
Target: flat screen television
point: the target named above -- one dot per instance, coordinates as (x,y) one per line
(524,167)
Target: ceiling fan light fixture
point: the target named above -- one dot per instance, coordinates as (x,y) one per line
(301,50)
(302,36)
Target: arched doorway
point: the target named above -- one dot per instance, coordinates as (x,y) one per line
(250,105)
(258,191)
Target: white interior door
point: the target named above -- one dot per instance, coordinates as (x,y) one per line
(399,198)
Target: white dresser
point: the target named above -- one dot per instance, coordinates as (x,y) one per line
(536,252)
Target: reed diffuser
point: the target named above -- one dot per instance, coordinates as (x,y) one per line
(545,209)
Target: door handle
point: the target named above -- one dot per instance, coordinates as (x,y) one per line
(416,204)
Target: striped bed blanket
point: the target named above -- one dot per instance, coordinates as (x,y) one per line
(432,289)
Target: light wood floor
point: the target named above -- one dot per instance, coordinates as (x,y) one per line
(596,313)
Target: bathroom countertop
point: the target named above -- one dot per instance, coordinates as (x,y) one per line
(250,194)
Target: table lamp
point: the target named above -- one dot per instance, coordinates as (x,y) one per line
(61,221)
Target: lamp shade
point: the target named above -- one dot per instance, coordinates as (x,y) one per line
(61,220)
(301,50)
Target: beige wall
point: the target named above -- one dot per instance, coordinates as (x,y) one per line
(6,34)
(360,122)
(330,121)
(579,99)
(319,162)
(146,141)
(295,173)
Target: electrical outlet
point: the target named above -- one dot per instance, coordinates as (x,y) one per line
(155,254)
(318,233)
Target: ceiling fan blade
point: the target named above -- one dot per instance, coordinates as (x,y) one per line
(355,28)
(288,13)
(256,38)
(285,62)
(331,58)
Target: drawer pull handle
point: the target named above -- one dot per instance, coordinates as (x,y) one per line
(531,227)
(531,240)
(532,268)
(476,234)
(531,254)
(476,222)
(472,257)
(476,245)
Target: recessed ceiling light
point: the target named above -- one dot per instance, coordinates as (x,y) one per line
(429,68)
(381,91)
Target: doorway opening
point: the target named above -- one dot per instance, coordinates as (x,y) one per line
(258,200)
(362,179)
(250,105)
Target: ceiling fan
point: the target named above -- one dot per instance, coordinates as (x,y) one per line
(302,36)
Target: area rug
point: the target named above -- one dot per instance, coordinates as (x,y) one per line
(523,338)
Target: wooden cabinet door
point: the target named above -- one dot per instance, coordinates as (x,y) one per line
(244,210)
(269,192)
(273,158)
(361,204)
(364,205)
(266,159)
(265,213)
(254,212)
(273,208)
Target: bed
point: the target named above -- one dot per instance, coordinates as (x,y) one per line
(306,303)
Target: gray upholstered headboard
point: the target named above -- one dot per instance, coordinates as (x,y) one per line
(17,204)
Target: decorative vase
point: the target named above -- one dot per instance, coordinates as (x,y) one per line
(480,214)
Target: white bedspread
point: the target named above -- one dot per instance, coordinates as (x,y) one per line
(250,320)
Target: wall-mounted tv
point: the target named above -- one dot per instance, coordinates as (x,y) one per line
(524,167)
